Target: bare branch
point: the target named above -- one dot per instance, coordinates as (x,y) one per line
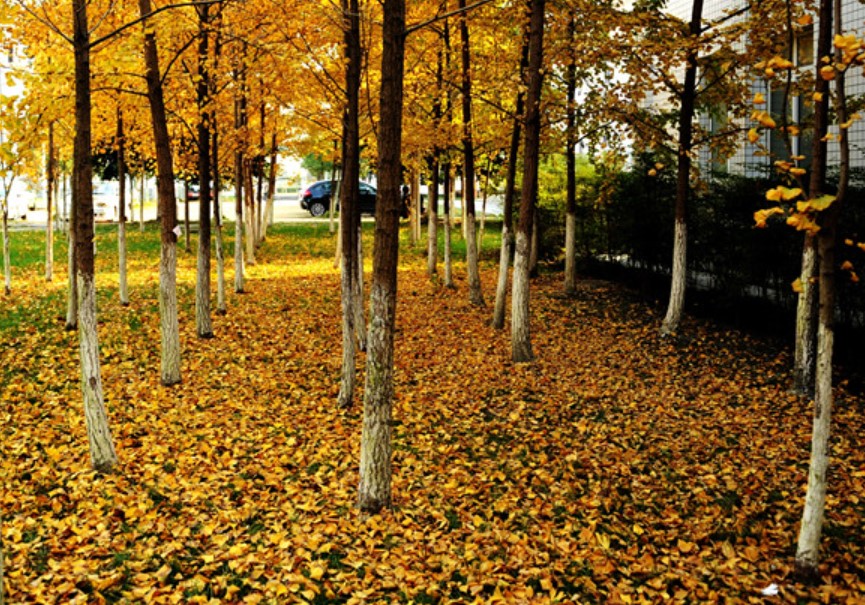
(423,24)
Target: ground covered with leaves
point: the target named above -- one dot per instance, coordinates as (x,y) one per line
(619,467)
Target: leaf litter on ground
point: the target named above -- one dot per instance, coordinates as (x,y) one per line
(619,467)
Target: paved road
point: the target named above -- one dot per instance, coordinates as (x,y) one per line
(286,210)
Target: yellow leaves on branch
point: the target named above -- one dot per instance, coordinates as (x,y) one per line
(783,194)
(775,63)
(763,117)
(817,204)
(802,216)
(761,216)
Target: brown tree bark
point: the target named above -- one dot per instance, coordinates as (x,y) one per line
(510,191)
(102,454)
(239,225)
(811,527)
(521,343)
(203,320)
(571,163)
(475,295)
(679,281)
(49,194)
(169,327)
(805,355)
(374,491)
(121,210)
(350,202)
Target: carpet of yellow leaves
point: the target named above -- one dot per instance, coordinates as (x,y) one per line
(618,468)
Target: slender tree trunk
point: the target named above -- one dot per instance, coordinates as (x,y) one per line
(521,344)
(203,321)
(259,164)
(271,187)
(446,225)
(475,295)
(49,191)
(359,313)
(239,112)
(349,218)
(810,529)
(7,268)
(535,249)
(432,218)
(187,232)
(251,216)
(121,222)
(485,194)
(169,325)
(806,310)
(72,290)
(374,492)
(141,200)
(102,455)
(221,308)
(679,281)
(571,162)
(510,191)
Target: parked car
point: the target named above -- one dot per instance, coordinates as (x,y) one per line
(316,198)
(106,201)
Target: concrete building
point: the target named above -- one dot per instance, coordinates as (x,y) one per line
(744,161)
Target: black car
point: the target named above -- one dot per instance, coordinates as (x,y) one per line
(316,198)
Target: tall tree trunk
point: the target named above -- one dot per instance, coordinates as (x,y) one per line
(349,201)
(571,164)
(374,491)
(239,117)
(7,268)
(485,195)
(805,357)
(251,216)
(72,275)
(102,455)
(169,327)
(141,199)
(217,222)
(475,295)
(679,281)
(203,322)
(49,193)
(359,313)
(271,186)
(259,165)
(510,190)
(435,167)
(521,343)
(121,211)
(446,224)
(810,529)
(432,217)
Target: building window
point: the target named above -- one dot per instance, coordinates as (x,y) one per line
(805,47)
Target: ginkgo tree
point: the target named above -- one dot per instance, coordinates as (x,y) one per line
(818,214)
(18,148)
(701,65)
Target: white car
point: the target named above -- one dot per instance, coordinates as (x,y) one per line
(106,201)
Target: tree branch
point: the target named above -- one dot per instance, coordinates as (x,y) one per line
(143,18)
(418,26)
